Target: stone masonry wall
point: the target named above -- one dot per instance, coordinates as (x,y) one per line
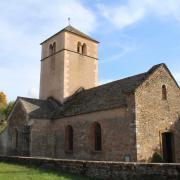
(66,71)
(79,70)
(8,138)
(118,136)
(155,116)
(4,138)
(52,69)
(103,169)
(42,138)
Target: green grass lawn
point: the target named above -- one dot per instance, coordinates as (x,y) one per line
(19,172)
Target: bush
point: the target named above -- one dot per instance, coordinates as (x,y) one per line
(156,158)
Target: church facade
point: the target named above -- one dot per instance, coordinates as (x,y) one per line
(126,120)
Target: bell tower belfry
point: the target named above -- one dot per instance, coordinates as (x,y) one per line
(69,61)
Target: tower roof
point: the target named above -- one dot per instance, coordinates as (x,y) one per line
(73,30)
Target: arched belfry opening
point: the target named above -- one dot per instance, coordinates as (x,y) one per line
(50,49)
(84,49)
(79,47)
(54,47)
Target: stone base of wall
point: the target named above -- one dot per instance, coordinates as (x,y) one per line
(104,169)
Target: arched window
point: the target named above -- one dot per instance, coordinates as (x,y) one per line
(50,49)
(84,49)
(79,47)
(54,47)
(69,138)
(97,137)
(164,92)
(16,138)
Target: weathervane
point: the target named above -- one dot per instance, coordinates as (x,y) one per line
(69,21)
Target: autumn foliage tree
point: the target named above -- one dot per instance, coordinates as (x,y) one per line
(3,100)
(3,104)
(5,107)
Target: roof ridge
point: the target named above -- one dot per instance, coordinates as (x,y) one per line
(123,78)
(22,97)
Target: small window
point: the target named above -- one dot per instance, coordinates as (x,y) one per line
(164,93)
(97,137)
(69,138)
(79,47)
(50,49)
(84,49)
(127,158)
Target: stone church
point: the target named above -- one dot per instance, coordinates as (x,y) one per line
(130,119)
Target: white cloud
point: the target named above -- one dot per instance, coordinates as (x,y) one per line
(48,15)
(133,11)
(23,26)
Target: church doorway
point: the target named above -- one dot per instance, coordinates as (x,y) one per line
(168,147)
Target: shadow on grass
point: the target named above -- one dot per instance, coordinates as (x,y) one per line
(13,172)
(32,170)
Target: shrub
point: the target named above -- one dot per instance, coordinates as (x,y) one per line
(156,158)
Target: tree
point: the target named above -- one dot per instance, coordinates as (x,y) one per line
(5,107)
(3,100)
(8,108)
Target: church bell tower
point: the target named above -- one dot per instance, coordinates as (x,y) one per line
(69,61)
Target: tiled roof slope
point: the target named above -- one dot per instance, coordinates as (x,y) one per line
(107,96)
(103,97)
(74,31)
(37,108)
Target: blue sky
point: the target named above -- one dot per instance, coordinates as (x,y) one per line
(134,35)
